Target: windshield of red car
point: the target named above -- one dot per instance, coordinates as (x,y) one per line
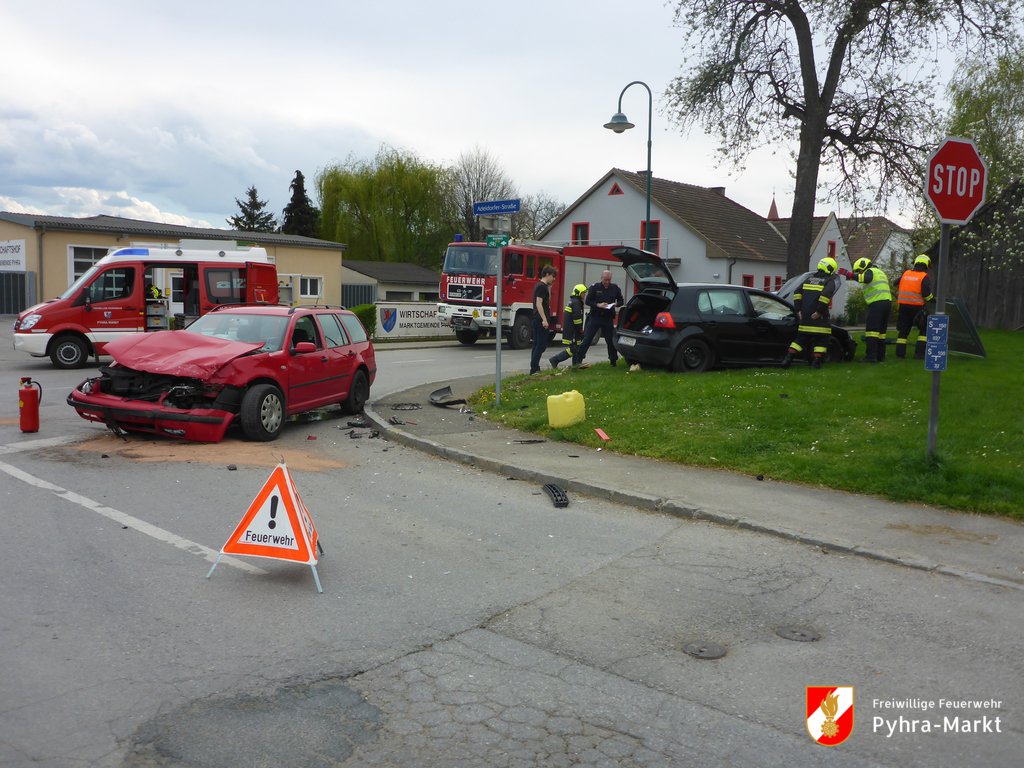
(268,329)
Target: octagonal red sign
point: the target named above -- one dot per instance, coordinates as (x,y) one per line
(956,181)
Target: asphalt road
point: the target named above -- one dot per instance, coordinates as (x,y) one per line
(464,620)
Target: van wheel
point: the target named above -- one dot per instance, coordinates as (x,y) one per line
(521,335)
(262,413)
(358,393)
(68,352)
(693,356)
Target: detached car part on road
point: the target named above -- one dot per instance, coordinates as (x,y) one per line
(697,326)
(251,365)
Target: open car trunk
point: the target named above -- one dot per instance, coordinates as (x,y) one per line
(641,310)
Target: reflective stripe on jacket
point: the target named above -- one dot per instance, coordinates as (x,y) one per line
(876,285)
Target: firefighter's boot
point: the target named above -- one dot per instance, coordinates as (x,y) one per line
(901,348)
(816,362)
(788,359)
(870,350)
(919,349)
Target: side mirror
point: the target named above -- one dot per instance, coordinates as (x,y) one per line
(304,348)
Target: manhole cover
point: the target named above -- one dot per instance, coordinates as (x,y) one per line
(705,650)
(406,407)
(798,634)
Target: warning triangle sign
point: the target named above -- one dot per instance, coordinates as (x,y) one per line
(277,524)
(616,189)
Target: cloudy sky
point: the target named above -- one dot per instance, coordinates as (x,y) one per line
(170,111)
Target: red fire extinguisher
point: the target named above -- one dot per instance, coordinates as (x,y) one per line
(28,404)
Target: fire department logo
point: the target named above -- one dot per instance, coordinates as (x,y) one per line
(388,318)
(830,713)
(107,314)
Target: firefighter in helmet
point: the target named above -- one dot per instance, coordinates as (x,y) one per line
(878,296)
(812,301)
(572,328)
(913,296)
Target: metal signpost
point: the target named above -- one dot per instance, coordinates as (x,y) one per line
(499,242)
(956,189)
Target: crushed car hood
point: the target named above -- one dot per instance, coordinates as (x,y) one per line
(177,353)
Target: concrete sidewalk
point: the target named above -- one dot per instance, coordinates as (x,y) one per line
(976,547)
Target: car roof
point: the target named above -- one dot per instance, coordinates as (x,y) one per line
(275,309)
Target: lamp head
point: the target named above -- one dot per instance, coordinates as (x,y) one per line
(619,123)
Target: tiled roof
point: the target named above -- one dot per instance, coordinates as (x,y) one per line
(864,237)
(136,228)
(393,272)
(816,224)
(731,231)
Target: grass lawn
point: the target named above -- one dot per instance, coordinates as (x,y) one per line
(850,426)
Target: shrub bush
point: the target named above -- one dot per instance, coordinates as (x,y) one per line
(367,314)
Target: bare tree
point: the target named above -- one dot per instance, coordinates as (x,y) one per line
(852,81)
(535,213)
(476,177)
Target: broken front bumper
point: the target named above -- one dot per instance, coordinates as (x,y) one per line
(206,425)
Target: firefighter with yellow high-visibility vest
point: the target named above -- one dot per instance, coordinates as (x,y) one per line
(572,328)
(912,296)
(878,296)
(813,300)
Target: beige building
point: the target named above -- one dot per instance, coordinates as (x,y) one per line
(40,256)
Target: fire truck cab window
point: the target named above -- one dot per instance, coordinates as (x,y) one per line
(531,266)
(513,263)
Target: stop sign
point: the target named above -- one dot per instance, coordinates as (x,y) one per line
(956,181)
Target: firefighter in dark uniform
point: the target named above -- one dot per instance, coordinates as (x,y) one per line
(572,329)
(913,295)
(604,298)
(878,296)
(812,301)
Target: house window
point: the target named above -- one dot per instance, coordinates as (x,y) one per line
(398,295)
(778,282)
(767,282)
(748,281)
(581,233)
(310,287)
(832,249)
(655,230)
(82,258)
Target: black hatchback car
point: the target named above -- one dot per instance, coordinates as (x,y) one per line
(697,326)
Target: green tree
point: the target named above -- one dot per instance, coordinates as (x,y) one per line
(391,208)
(300,217)
(476,178)
(849,83)
(252,217)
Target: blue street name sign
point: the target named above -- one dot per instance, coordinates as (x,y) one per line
(495,207)
(938,329)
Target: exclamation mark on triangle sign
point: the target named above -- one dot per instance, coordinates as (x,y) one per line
(273,513)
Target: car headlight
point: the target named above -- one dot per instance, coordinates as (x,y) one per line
(30,321)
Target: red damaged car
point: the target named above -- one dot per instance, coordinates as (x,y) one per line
(254,365)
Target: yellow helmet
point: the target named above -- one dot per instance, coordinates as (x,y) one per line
(923,261)
(860,265)
(579,289)
(828,265)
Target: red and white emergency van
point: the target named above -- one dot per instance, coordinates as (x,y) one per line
(135,290)
(468,280)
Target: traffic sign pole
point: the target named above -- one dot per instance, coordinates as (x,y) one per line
(499,242)
(957,177)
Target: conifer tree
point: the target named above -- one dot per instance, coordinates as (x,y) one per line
(252,216)
(300,217)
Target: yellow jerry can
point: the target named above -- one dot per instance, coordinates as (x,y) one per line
(566,409)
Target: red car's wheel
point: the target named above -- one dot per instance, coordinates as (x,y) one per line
(262,413)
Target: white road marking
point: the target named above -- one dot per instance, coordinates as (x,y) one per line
(117,516)
(32,445)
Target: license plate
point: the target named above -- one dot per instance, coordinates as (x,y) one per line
(627,341)
(461,320)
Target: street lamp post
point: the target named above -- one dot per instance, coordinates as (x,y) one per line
(620,123)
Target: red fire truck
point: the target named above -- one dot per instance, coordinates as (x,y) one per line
(467,289)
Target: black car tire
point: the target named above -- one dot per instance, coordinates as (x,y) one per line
(836,353)
(68,352)
(692,356)
(358,393)
(521,335)
(468,338)
(262,413)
